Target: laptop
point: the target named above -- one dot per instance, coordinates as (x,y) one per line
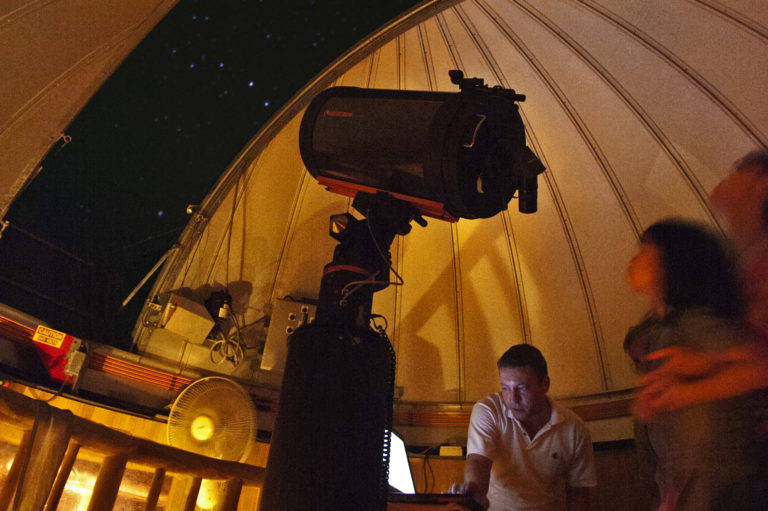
(402,492)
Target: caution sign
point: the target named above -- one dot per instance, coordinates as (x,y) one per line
(49,336)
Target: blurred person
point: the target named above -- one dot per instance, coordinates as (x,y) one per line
(525,451)
(740,202)
(699,456)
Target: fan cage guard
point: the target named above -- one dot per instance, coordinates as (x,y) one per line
(231,412)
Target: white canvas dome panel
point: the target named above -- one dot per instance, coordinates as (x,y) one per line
(51,66)
(637,109)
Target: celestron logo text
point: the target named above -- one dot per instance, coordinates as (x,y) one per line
(337,113)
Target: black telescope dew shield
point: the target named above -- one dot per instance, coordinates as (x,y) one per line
(450,155)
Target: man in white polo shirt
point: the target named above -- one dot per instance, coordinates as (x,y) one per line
(524,451)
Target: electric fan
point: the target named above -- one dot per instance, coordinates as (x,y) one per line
(215,417)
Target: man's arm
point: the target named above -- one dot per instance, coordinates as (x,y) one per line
(477,476)
(581,474)
(576,498)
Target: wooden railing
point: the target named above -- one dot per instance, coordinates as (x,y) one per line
(50,444)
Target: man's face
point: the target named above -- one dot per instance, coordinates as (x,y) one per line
(523,393)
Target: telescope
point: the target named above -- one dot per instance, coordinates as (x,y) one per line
(450,155)
(401,155)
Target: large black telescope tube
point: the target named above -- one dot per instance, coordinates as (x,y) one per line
(465,151)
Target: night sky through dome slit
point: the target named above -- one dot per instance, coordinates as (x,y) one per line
(155,138)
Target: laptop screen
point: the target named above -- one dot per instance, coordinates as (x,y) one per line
(400,476)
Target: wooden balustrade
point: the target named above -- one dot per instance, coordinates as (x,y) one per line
(53,438)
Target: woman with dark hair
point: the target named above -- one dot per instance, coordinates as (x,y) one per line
(699,455)
(698,270)
(688,377)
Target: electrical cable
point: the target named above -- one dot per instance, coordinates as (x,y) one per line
(259,320)
(68,378)
(381,329)
(229,348)
(383,257)
(58,392)
(428,486)
(359,283)
(428,463)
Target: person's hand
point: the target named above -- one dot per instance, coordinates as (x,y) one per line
(667,395)
(670,387)
(458,488)
(467,489)
(651,400)
(681,362)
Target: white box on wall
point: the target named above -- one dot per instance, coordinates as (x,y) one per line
(187,318)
